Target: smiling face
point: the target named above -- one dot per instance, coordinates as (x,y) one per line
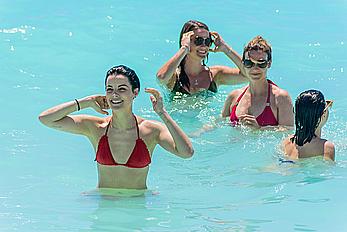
(119,93)
(256,64)
(201,50)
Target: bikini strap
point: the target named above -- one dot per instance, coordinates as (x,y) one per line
(241,95)
(108,125)
(268,94)
(209,73)
(137,127)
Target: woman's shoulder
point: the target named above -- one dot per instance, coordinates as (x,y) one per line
(149,128)
(329,150)
(278,91)
(238,92)
(289,148)
(232,98)
(287,142)
(148,124)
(281,95)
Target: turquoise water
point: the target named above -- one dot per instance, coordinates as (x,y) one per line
(57,51)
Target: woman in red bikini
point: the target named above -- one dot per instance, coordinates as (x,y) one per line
(261,103)
(187,73)
(123,142)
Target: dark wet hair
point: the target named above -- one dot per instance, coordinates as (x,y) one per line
(191,25)
(126,71)
(309,107)
(258,43)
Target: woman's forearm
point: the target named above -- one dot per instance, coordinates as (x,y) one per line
(60,111)
(235,57)
(169,68)
(183,147)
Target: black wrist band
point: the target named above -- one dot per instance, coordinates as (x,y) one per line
(78,105)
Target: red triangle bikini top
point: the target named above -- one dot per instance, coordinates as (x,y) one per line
(139,158)
(266,118)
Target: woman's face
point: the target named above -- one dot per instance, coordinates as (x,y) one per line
(200,43)
(256,64)
(119,92)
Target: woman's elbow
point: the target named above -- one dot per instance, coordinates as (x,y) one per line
(160,75)
(44,119)
(188,153)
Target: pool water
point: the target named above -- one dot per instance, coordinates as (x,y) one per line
(57,51)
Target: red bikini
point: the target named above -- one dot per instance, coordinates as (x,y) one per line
(139,158)
(266,118)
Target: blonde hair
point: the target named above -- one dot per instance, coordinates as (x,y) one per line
(258,43)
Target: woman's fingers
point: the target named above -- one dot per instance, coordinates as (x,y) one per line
(156,99)
(153,100)
(154,92)
(188,34)
(247,118)
(98,109)
(214,33)
(215,49)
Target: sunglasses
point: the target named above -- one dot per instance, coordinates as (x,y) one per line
(249,64)
(328,104)
(200,41)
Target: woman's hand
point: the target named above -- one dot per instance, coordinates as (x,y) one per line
(98,103)
(186,39)
(220,45)
(157,100)
(249,120)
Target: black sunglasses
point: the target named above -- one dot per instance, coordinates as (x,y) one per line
(249,64)
(200,41)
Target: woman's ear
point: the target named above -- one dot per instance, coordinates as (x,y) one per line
(269,64)
(136,92)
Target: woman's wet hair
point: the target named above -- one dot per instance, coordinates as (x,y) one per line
(309,107)
(191,25)
(258,43)
(126,71)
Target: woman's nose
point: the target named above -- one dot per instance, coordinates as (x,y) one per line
(115,93)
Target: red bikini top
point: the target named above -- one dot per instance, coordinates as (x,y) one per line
(139,158)
(266,118)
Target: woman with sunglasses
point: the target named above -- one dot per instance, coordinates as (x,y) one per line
(311,114)
(123,142)
(186,72)
(261,103)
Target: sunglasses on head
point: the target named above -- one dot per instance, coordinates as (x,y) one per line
(249,64)
(328,104)
(200,41)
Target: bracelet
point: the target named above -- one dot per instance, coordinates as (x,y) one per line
(78,105)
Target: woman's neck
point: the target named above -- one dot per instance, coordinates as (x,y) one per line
(258,87)
(193,67)
(123,119)
(318,132)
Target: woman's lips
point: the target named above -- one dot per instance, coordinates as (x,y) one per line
(116,102)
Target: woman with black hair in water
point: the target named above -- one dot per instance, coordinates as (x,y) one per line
(311,114)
